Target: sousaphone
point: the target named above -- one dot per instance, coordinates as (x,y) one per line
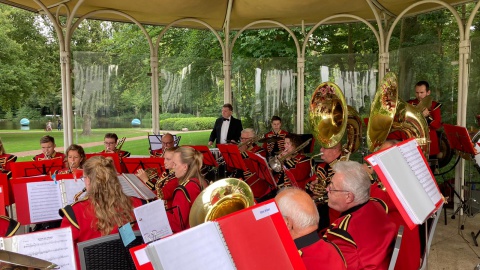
(388,113)
(221,198)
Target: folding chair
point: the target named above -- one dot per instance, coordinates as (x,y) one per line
(107,253)
(396,248)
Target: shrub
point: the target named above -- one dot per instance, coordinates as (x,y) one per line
(28,112)
(192,123)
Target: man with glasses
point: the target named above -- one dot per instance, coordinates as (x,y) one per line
(363,232)
(167,142)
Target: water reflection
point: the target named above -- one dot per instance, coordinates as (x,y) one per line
(96,123)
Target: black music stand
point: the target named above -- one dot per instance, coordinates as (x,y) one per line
(459,140)
(34,168)
(232,156)
(133,164)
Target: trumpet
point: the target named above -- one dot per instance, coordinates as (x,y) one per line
(277,162)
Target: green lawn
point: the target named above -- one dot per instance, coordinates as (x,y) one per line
(19,141)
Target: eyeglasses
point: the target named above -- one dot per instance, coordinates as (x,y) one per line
(109,143)
(330,189)
(242,138)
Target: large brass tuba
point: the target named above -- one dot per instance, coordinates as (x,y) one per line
(388,113)
(221,198)
(330,117)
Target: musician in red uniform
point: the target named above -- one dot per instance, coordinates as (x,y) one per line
(297,166)
(104,207)
(301,217)
(432,115)
(110,141)
(273,147)
(167,142)
(74,160)
(163,185)
(363,232)
(8,226)
(316,188)
(187,163)
(6,160)
(48,149)
(260,187)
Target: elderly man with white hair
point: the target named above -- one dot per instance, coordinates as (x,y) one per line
(363,232)
(301,217)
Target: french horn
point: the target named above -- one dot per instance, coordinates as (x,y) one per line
(388,113)
(219,199)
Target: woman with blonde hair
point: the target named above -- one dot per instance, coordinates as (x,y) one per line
(105,206)
(187,163)
(6,160)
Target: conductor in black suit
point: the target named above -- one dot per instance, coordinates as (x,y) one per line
(227,129)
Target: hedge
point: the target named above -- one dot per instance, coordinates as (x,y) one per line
(197,123)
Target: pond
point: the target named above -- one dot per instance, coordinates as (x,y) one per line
(97,123)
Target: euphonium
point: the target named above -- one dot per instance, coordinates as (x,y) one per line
(388,113)
(221,198)
(277,162)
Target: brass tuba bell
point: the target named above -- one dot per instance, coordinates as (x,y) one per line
(388,113)
(221,198)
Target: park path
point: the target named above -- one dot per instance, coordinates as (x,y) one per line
(91,144)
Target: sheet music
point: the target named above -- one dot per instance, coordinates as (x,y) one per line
(155,142)
(55,246)
(415,159)
(44,201)
(203,245)
(152,227)
(136,187)
(403,180)
(73,187)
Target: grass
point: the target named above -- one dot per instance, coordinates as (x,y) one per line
(19,141)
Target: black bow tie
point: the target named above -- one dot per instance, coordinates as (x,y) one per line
(226,119)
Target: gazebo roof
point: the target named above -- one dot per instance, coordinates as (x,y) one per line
(243,12)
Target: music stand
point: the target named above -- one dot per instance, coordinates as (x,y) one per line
(33,168)
(263,171)
(133,164)
(114,156)
(459,140)
(232,156)
(208,158)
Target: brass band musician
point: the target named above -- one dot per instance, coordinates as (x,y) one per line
(48,149)
(167,142)
(74,159)
(275,146)
(6,160)
(260,187)
(298,164)
(165,184)
(111,143)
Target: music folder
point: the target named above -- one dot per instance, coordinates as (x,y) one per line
(250,239)
(134,163)
(410,183)
(208,158)
(134,187)
(233,157)
(34,168)
(38,199)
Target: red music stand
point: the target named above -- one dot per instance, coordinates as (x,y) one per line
(208,158)
(133,164)
(76,174)
(263,170)
(459,139)
(232,156)
(33,168)
(114,156)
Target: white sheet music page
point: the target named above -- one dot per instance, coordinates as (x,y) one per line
(152,227)
(44,201)
(127,188)
(72,187)
(415,159)
(405,184)
(51,245)
(140,187)
(200,247)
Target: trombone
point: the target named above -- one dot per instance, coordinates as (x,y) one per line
(276,162)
